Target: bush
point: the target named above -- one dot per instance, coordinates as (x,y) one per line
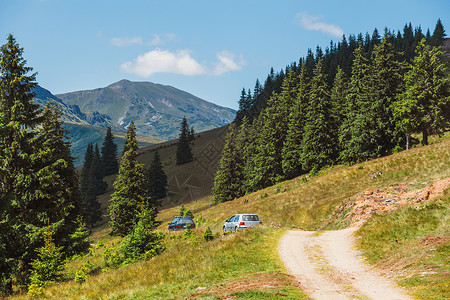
(47,268)
(208,235)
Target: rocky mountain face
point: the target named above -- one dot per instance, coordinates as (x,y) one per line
(157,110)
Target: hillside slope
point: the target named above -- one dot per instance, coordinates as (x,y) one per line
(192,268)
(156,110)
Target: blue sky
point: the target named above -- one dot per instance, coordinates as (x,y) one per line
(211,49)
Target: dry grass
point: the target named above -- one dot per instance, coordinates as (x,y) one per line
(189,264)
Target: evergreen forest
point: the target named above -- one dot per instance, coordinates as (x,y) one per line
(362,98)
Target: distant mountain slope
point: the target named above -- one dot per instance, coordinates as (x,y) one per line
(157,110)
(85,128)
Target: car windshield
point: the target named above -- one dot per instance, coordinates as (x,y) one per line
(250,218)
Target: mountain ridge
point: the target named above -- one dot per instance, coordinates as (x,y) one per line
(156,109)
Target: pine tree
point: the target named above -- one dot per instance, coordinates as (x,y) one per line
(352,132)
(38,182)
(92,185)
(59,183)
(229,175)
(157,179)
(47,268)
(319,138)
(424,106)
(438,34)
(384,85)
(292,147)
(97,170)
(184,152)
(338,99)
(109,154)
(84,174)
(130,189)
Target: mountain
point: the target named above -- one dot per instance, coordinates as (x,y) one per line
(85,128)
(157,110)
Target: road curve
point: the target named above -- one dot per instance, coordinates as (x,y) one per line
(328,267)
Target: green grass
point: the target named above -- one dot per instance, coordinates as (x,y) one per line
(246,264)
(415,242)
(223,267)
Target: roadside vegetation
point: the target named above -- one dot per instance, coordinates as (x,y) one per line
(415,242)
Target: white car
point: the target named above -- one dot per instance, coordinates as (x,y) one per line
(241,221)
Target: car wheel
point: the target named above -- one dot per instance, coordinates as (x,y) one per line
(235,229)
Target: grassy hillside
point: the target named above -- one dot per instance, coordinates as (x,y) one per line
(246,265)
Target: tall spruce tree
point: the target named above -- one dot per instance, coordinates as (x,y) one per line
(229,176)
(109,154)
(130,189)
(157,179)
(385,83)
(353,130)
(424,106)
(292,146)
(338,99)
(319,138)
(37,178)
(59,183)
(184,152)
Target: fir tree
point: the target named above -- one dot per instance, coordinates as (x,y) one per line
(38,182)
(424,106)
(109,154)
(157,179)
(229,175)
(338,98)
(438,34)
(47,268)
(384,84)
(84,174)
(184,152)
(319,138)
(352,134)
(59,183)
(130,189)
(292,147)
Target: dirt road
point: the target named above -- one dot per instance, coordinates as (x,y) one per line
(328,267)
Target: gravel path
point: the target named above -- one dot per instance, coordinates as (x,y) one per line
(328,267)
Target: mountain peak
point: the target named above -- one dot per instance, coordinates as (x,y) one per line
(157,110)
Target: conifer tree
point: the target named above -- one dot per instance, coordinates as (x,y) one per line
(109,154)
(37,181)
(229,175)
(84,174)
(424,106)
(319,138)
(352,132)
(292,147)
(385,83)
(130,189)
(59,183)
(184,152)
(157,179)
(438,34)
(97,170)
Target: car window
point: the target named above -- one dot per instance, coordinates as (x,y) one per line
(232,219)
(250,218)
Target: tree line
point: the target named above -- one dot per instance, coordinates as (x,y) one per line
(45,203)
(358,101)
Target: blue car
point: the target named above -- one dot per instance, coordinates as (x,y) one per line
(181,223)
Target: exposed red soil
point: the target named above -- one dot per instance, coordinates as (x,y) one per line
(370,201)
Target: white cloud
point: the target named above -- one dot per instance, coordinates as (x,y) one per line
(227,63)
(314,23)
(163,61)
(126,41)
(156,40)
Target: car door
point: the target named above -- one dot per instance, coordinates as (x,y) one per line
(228,224)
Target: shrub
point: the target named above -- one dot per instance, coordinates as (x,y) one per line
(208,235)
(47,268)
